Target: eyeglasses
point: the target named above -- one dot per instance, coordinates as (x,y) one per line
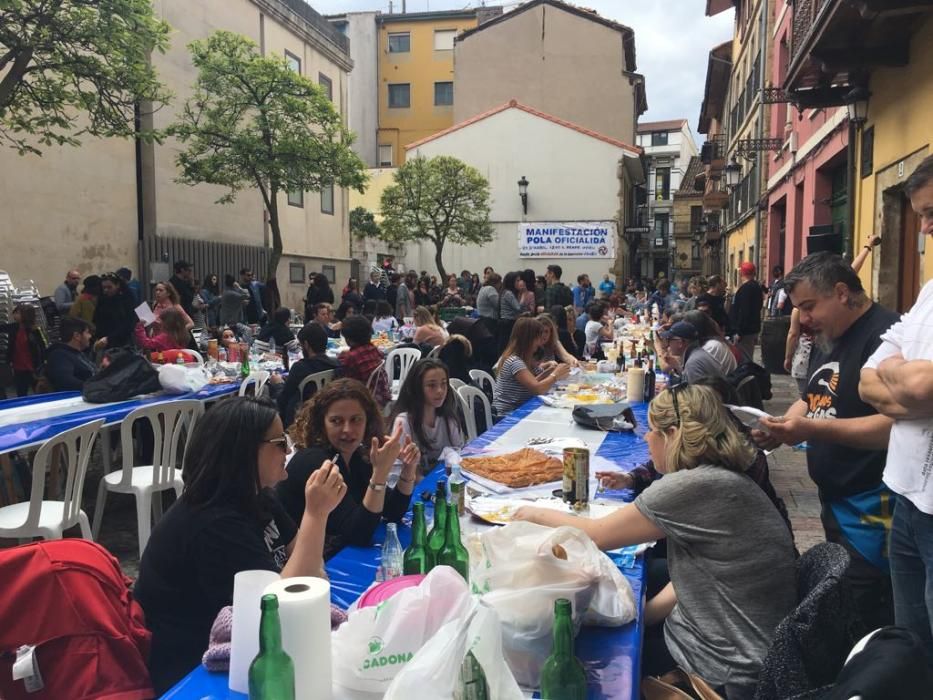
(676,389)
(284,443)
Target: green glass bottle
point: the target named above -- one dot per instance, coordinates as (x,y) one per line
(472,683)
(438,532)
(416,556)
(272,673)
(563,677)
(453,553)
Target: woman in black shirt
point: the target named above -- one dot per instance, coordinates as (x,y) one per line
(342,421)
(225,522)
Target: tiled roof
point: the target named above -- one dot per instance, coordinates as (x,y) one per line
(670,125)
(514,104)
(688,182)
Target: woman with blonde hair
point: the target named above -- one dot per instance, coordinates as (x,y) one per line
(552,349)
(731,583)
(520,376)
(427,330)
(166,297)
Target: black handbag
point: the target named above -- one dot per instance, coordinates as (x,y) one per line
(127,375)
(605,417)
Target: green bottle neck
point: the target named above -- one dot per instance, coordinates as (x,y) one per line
(418,529)
(440,515)
(452,527)
(270,632)
(563,636)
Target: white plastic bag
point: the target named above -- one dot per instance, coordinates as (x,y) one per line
(525,568)
(178,379)
(375,643)
(434,671)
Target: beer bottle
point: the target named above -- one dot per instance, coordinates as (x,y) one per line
(472,683)
(416,556)
(457,485)
(453,553)
(436,538)
(650,380)
(272,673)
(562,677)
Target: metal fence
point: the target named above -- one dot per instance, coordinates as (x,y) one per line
(158,254)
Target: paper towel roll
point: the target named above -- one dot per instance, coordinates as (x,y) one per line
(635,387)
(244,642)
(304,609)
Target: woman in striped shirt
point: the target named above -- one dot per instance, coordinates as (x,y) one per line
(520,376)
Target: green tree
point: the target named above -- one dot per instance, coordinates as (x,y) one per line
(75,67)
(363,223)
(441,199)
(254,123)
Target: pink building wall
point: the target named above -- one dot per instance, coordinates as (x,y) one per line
(800,198)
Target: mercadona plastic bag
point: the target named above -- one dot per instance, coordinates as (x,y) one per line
(434,671)
(525,568)
(376,643)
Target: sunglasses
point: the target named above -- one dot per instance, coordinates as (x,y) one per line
(284,443)
(676,389)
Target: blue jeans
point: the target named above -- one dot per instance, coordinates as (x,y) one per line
(911,553)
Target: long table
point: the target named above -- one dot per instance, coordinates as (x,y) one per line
(30,421)
(611,655)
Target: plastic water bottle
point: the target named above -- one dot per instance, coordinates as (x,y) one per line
(392,555)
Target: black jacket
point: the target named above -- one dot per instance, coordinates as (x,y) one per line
(288,399)
(66,369)
(280,332)
(185,293)
(115,319)
(745,313)
(373,291)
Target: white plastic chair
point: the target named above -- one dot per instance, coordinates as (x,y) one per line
(259,378)
(169,421)
(48,518)
(407,358)
(435,351)
(319,379)
(484,381)
(199,358)
(455,383)
(468,395)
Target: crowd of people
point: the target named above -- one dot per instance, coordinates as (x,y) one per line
(720,588)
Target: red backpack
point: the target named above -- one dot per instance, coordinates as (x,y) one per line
(70,600)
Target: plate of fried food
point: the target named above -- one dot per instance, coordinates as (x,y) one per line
(519,469)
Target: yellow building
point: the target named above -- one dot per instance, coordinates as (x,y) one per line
(894,140)
(416,76)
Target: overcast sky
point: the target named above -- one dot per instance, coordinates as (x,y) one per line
(672,42)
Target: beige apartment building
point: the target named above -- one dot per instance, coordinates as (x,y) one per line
(523,55)
(109,204)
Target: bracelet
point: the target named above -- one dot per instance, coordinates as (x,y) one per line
(867,247)
(404,480)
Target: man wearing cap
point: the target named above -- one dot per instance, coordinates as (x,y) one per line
(745,313)
(685,355)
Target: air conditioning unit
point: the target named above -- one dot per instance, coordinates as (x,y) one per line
(792,142)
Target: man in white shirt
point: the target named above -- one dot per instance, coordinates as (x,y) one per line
(898,381)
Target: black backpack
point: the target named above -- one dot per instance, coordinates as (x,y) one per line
(127,375)
(739,378)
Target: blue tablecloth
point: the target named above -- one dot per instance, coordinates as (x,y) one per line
(32,432)
(611,655)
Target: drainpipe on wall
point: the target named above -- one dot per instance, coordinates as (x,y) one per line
(760,156)
(141,273)
(848,239)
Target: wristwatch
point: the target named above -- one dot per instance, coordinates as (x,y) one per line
(377,487)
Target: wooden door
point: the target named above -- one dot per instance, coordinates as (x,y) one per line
(910,257)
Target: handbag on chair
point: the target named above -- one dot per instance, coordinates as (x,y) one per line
(677,685)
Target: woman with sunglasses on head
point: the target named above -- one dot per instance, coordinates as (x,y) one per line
(226,521)
(342,422)
(731,584)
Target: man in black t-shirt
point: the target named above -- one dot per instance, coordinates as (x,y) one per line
(846,438)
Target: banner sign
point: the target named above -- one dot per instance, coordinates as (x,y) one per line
(588,239)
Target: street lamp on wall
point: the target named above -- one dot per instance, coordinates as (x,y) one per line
(857,105)
(732,174)
(523,193)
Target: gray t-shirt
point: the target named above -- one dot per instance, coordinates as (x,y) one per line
(699,365)
(731,561)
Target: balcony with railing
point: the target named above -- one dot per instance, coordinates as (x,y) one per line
(835,44)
